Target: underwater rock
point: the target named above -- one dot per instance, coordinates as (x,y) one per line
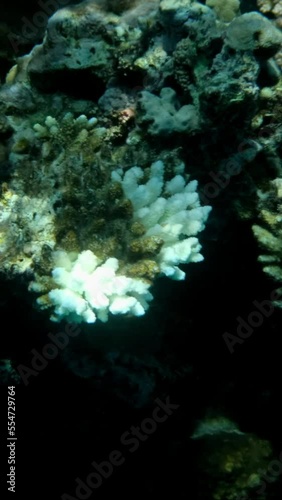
(186,18)
(17,98)
(253,32)
(231,463)
(77,38)
(88,40)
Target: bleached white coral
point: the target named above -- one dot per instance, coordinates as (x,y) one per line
(89,289)
(169,210)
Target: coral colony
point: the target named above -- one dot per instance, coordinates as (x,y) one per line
(157,219)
